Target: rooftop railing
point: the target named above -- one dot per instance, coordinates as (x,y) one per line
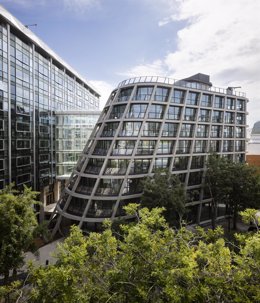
(193,85)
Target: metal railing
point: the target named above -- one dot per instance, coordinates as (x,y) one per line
(181,83)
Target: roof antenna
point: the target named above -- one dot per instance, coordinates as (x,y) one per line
(30,25)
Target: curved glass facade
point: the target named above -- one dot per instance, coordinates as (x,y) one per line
(147,125)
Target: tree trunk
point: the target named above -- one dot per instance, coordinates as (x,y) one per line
(213,214)
(235,217)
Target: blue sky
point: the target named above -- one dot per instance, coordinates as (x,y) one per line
(108,41)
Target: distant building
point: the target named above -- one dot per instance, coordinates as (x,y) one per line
(150,123)
(253,147)
(35,85)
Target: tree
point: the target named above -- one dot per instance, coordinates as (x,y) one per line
(149,262)
(236,185)
(17,224)
(165,190)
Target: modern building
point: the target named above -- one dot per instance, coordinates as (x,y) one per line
(72,130)
(150,123)
(35,85)
(253,146)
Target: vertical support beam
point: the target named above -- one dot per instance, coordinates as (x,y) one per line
(9,107)
(34,121)
(51,108)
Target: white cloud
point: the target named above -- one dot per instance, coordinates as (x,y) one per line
(104,88)
(221,38)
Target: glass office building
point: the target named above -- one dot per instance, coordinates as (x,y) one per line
(72,130)
(35,84)
(150,123)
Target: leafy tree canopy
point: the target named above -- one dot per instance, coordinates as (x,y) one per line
(165,190)
(149,262)
(17,224)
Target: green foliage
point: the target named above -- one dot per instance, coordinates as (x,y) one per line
(235,184)
(150,262)
(165,190)
(251,216)
(16,226)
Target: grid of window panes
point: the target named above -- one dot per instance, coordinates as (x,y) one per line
(38,87)
(72,132)
(145,128)
(3,106)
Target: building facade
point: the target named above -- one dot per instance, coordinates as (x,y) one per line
(253,146)
(152,123)
(35,84)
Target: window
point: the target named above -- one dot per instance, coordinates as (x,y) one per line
(180,163)
(145,147)
(137,111)
(202,131)
(22,161)
(214,146)
(187,130)
(140,166)
(124,94)
(101,209)
(156,111)
(130,129)
(227,146)
(161,163)
(217,116)
(23,179)
(190,114)
(230,103)
(22,127)
(197,162)
(109,129)
(193,98)
(85,186)
(170,130)
(123,147)
(144,93)
(240,118)
(116,167)
(219,102)
(44,143)
(2,164)
(102,148)
(229,118)
(77,206)
(178,96)
(94,166)
(240,132)
(204,115)
(240,145)
(108,187)
(117,112)
(200,146)
(133,186)
(206,100)
(241,105)
(216,131)
(183,147)
(23,144)
(161,94)
(174,113)
(228,131)
(165,147)
(151,129)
